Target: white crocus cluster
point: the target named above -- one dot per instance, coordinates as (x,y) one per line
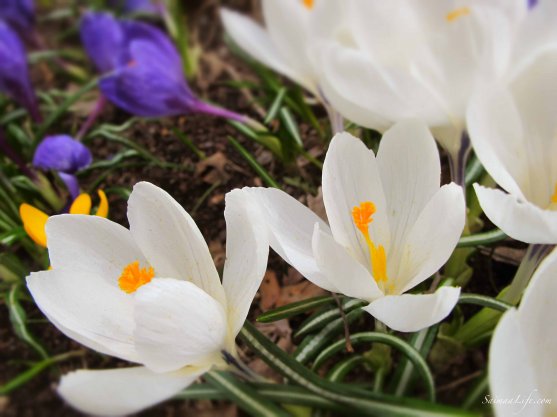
(150,295)
(390,226)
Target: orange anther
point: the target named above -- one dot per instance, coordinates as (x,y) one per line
(134,277)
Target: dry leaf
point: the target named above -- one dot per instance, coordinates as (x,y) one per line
(269,291)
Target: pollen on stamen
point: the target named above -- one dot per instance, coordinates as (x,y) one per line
(133,277)
(457,13)
(308,3)
(363,215)
(554,196)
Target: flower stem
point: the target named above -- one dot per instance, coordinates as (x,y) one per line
(335,118)
(532,258)
(93,116)
(207,108)
(457,161)
(240,366)
(486,319)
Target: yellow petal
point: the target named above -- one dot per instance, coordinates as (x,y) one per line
(81,205)
(103,205)
(34,222)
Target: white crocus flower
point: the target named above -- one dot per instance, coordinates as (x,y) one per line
(390,226)
(149,295)
(523,352)
(418,59)
(514,133)
(287,43)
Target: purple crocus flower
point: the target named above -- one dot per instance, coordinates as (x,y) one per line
(65,155)
(14,74)
(19,14)
(139,6)
(532,3)
(143,70)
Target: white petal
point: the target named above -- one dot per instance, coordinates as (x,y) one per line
(375,93)
(351,177)
(287,23)
(247,251)
(537,313)
(87,309)
(118,392)
(432,238)
(521,220)
(345,272)
(177,324)
(496,133)
(410,170)
(255,41)
(413,312)
(510,368)
(170,239)
(291,226)
(92,245)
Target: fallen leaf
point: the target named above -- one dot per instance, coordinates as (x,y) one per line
(269,291)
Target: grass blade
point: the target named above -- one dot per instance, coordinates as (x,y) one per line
(254,164)
(244,395)
(294,309)
(406,349)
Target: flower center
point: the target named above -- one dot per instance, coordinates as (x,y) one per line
(363,216)
(553,201)
(457,13)
(133,277)
(308,3)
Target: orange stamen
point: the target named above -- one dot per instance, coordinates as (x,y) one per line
(134,277)
(363,216)
(455,14)
(554,196)
(308,3)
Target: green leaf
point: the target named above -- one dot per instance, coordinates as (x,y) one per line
(245,396)
(421,341)
(320,319)
(403,347)
(363,401)
(484,301)
(62,108)
(485,238)
(294,309)
(34,370)
(343,368)
(283,394)
(18,319)
(275,106)
(254,164)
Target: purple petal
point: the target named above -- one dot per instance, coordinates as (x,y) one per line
(138,6)
(139,31)
(72,184)
(19,14)
(14,74)
(103,39)
(150,86)
(532,3)
(62,153)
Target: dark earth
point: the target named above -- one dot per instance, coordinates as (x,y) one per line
(200,185)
